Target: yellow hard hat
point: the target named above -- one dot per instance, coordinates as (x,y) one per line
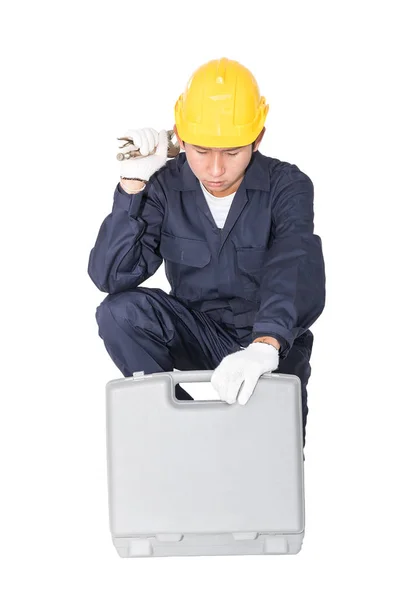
(221,106)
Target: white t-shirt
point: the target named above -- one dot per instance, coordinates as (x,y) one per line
(219,207)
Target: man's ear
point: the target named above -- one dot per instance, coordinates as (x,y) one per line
(181,143)
(258,140)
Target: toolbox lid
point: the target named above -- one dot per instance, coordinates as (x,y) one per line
(177,467)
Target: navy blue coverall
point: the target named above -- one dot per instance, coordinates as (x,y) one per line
(263,273)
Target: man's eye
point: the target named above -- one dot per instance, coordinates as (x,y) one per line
(233,153)
(200,152)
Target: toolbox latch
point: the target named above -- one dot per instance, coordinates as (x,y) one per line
(245,535)
(169,537)
(138,375)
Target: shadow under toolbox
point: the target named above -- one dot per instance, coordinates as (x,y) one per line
(203,477)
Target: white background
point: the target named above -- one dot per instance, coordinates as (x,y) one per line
(74,77)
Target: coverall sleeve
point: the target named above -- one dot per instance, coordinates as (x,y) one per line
(293,282)
(126,251)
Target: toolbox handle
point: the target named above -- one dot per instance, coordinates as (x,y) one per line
(193,377)
(190,376)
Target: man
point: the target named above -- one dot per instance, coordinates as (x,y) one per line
(235,229)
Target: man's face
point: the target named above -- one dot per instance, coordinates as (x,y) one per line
(220,170)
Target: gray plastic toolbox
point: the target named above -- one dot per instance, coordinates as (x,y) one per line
(203,477)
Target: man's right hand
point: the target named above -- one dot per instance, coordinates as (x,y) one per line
(142,167)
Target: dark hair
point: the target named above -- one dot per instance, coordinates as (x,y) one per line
(252,145)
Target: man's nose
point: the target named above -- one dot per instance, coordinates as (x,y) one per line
(216,168)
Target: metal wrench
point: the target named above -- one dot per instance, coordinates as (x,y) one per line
(173,148)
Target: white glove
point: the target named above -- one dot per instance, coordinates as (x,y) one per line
(243,367)
(145,140)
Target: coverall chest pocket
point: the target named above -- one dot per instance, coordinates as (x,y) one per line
(251,263)
(184,261)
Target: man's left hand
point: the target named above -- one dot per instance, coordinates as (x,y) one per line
(244,367)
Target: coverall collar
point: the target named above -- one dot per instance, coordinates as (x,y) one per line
(256,177)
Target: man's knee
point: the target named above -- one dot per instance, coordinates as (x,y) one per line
(138,310)
(111,312)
